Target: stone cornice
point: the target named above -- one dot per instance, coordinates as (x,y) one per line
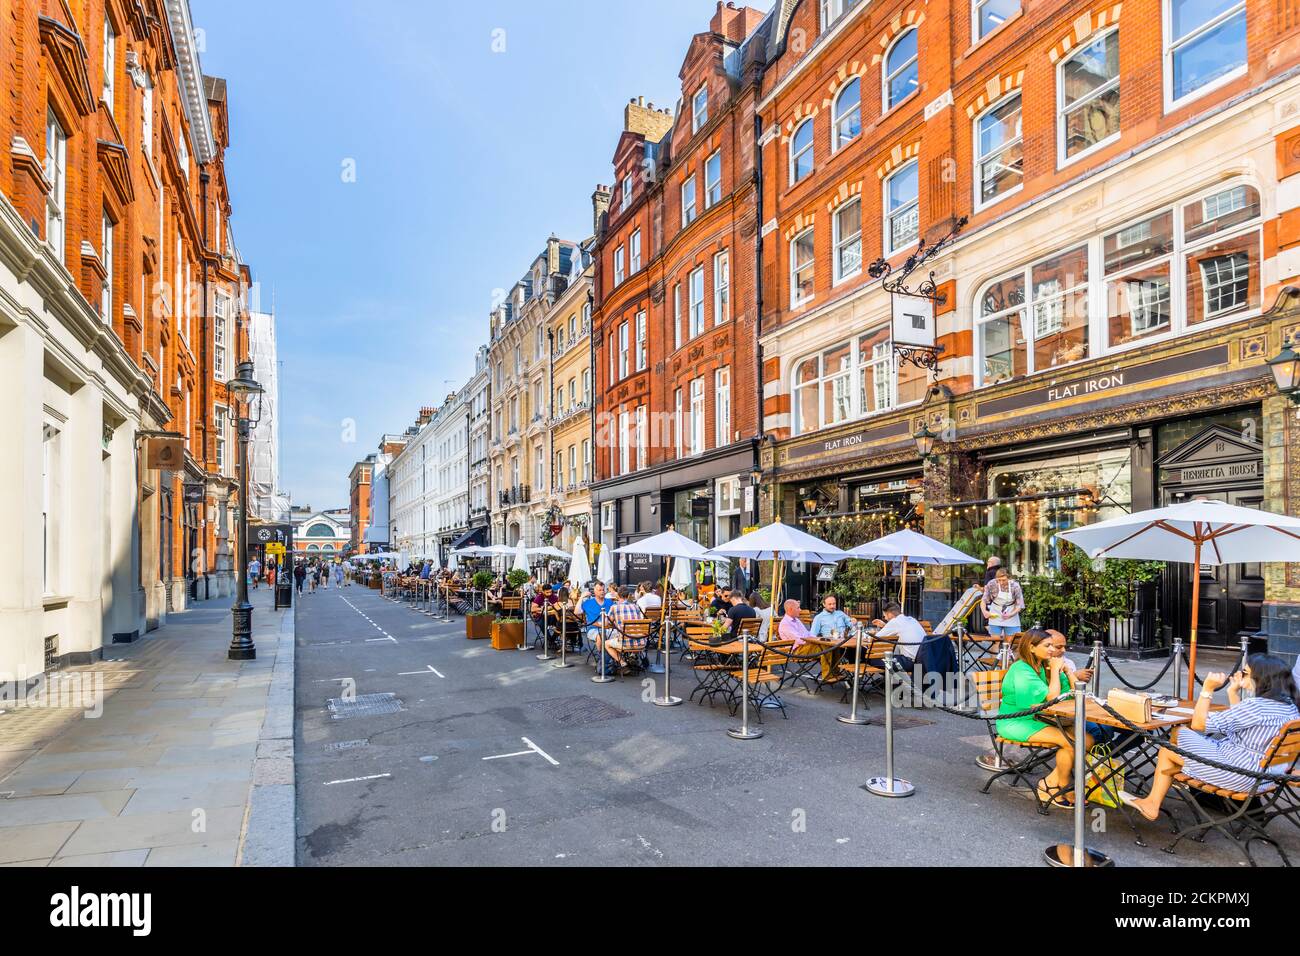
(193,100)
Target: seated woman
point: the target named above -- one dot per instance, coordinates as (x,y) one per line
(1239,736)
(1036,676)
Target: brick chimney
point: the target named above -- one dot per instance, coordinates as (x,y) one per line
(735,23)
(599,206)
(426,415)
(642,118)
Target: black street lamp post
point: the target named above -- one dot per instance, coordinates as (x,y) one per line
(244,391)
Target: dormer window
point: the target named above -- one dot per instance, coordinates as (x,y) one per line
(699,108)
(627,191)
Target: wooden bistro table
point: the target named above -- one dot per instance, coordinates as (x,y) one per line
(1133,753)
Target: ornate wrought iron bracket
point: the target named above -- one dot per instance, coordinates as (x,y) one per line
(895,281)
(923,357)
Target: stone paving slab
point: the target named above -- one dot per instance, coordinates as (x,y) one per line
(163,767)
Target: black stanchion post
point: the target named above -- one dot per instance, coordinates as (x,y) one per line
(1078,854)
(1096,668)
(889,785)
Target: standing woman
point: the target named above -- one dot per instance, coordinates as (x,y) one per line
(1003,601)
(1036,677)
(312,575)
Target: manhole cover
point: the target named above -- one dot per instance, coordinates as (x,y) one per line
(364,705)
(579,710)
(346,744)
(901,722)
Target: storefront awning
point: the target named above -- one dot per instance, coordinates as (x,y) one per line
(474,537)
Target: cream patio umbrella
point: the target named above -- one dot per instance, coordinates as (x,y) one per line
(910,547)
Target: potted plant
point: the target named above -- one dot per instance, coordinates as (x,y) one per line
(478,625)
(507,633)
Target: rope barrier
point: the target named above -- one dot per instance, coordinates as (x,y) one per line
(1131,686)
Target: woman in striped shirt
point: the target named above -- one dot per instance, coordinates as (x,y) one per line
(1239,736)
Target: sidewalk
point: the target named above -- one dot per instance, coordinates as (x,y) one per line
(163,754)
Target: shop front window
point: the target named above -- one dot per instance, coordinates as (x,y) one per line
(692,520)
(1092,487)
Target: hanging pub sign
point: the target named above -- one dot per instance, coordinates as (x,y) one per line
(192,491)
(913,320)
(164,453)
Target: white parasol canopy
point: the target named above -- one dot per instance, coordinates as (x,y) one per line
(548,551)
(605,566)
(452,564)
(680,578)
(579,567)
(1196,532)
(521,558)
(666,544)
(779,542)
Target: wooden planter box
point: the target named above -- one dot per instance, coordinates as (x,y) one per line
(507,635)
(478,626)
(375,582)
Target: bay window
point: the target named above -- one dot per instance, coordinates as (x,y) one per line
(1034,318)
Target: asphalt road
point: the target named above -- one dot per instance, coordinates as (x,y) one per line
(476,768)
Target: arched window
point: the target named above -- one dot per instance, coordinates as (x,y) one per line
(901,76)
(313,547)
(848,114)
(801,151)
(320,530)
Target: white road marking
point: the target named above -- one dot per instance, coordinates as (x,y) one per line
(532,749)
(431,669)
(554,762)
(373,776)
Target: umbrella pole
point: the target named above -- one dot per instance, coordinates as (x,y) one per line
(665,648)
(902,589)
(1196,610)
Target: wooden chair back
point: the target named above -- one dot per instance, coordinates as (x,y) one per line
(988,687)
(1284,749)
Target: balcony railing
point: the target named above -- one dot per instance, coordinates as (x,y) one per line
(575,409)
(516,495)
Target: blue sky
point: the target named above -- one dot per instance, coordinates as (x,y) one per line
(465,161)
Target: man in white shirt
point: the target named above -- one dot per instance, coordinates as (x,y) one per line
(907,630)
(650,601)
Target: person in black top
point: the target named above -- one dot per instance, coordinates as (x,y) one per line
(299,574)
(738,612)
(991,569)
(721,602)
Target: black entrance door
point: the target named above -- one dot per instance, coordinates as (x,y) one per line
(1231,595)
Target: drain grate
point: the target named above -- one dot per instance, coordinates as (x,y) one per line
(901,721)
(364,705)
(579,710)
(347,744)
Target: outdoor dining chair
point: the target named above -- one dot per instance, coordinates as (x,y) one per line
(988,689)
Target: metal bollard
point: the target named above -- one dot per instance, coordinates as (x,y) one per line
(1178,668)
(564,637)
(1096,668)
(961,654)
(744,731)
(889,785)
(666,651)
(602,677)
(1245,652)
(1078,854)
(546,654)
(852,716)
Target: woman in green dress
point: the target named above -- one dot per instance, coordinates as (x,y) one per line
(1026,686)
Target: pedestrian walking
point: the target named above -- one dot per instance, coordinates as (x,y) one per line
(254,572)
(299,574)
(338,575)
(311,579)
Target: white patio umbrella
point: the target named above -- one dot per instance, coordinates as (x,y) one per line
(548,551)
(521,558)
(605,567)
(579,566)
(680,551)
(779,542)
(910,547)
(452,564)
(1196,532)
(680,577)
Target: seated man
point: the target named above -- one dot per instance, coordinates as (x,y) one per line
(721,602)
(740,610)
(594,606)
(792,627)
(650,599)
(615,644)
(830,623)
(908,631)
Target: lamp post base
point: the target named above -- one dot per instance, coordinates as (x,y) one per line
(1062,855)
(241,641)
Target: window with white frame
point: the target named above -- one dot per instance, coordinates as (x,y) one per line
(627,190)
(677,315)
(623,356)
(832,10)
(847,227)
(146,116)
(677,421)
(620,271)
(624,444)
(699,108)
(1034,318)
(846,120)
(852,379)
(1205,45)
(539,469)
(688,201)
(999,151)
(722,407)
(721,288)
(634,252)
(220,313)
(586,459)
(902,212)
(573,464)
(901,72)
(586,385)
(695,284)
(801,151)
(1088,97)
(801,267)
(697,416)
(642,344)
(713,179)
(640,437)
(573,392)
(183,153)
(988,15)
(110,64)
(106,255)
(219,426)
(56,166)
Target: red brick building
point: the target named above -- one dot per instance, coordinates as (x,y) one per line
(1128,176)
(676,303)
(124,297)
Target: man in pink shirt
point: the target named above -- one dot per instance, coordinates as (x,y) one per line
(792,627)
